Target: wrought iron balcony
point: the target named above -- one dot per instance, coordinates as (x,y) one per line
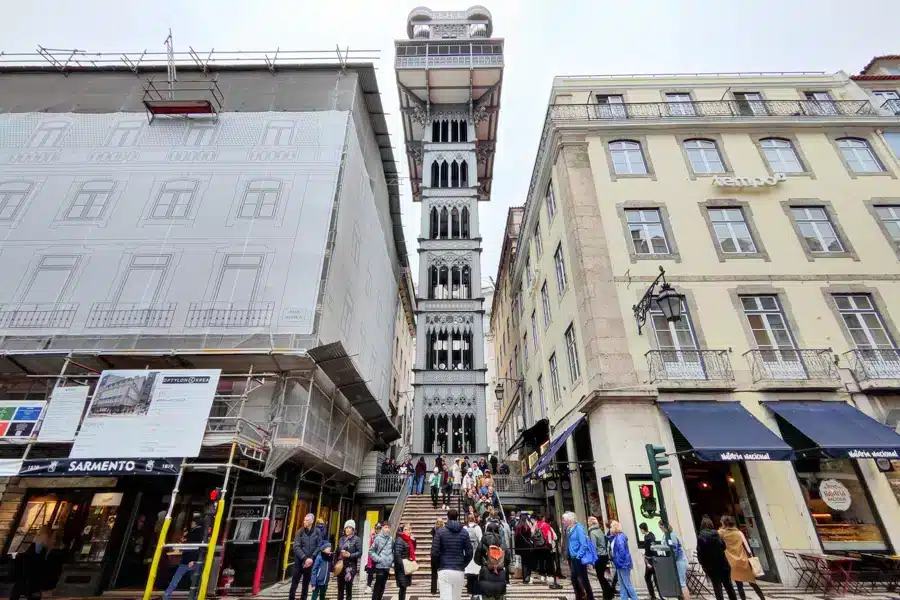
(712,109)
(131,314)
(53,315)
(461,60)
(689,367)
(793,366)
(891,106)
(875,366)
(230,314)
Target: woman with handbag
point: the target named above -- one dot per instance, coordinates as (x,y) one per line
(740,555)
(404,561)
(347,560)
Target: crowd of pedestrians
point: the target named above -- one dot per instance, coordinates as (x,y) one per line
(419,473)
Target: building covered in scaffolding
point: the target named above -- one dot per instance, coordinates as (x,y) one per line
(232,212)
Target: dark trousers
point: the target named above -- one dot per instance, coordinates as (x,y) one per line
(448,489)
(600,566)
(580,582)
(740,589)
(401,592)
(526,564)
(300,572)
(434,570)
(650,580)
(344,588)
(381,576)
(434,495)
(719,581)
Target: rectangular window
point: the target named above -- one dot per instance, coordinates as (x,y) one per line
(781,155)
(278,133)
(732,233)
(647,233)
(534,329)
(560,265)
(889,215)
(704,156)
(91,200)
(820,103)
(200,134)
(572,353)
(239,278)
(863,321)
(817,229)
(12,197)
(144,278)
(773,339)
(516,362)
(48,135)
(678,348)
(347,317)
(175,199)
(859,156)
(50,279)
(125,134)
(538,242)
(528,274)
(627,158)
(554,380)
(541,398)
(551,202)
(260,199)
(611,106)
(525,348)
(680,105)
(545,302)
(750,104)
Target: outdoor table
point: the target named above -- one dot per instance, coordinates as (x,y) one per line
(837,570)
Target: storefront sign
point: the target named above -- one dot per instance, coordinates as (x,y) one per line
(62,467)
(745,182)
(255,511)
(835,494)
(872,454)
(732,455)
(19,418)
(147,414)
(63,414)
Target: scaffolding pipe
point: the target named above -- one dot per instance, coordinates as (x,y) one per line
(263,541)
(161,542)
(217,525)
(290,531)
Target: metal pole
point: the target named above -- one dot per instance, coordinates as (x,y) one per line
(217,524)
(290,531)
(161,542)
(263,541)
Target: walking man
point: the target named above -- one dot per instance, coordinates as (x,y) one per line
(649,571)
(581,554)
(306,547)
(451,548)
(189,557)
(382,559)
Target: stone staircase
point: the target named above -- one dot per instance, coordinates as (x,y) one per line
(419,516)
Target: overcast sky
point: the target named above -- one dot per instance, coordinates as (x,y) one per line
(543,38)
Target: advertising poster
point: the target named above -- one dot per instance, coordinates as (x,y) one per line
(644,505)
(147,414)
(63,414)
(19,418)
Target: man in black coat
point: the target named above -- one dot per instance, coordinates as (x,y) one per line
(189,556)
(451,548)
(306,547)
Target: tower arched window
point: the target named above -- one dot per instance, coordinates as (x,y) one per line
(432,282)
(445,174)
(435,174)
(444,227)
(455,283)
(454,224)
(445,130)
(433,223)
(463,131)
(464,174)
(466,282)
(454,174)
(464,222)
(435,131)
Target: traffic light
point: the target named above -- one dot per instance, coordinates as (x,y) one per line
(656,455)
(648,501)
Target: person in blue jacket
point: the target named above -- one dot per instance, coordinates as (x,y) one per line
(321,570)
(581,554)
(621,558)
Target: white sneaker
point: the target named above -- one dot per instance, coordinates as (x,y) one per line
(368,590)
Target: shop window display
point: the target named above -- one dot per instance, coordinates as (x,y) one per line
(839,505)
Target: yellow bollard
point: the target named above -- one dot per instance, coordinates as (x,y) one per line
(157,555)
(288,534)
(211,550)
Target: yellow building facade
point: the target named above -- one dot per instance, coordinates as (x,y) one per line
(772,203)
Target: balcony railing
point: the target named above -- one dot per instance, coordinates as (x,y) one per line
(57,315)
(131,314)
(891,106)
(689,365)
(712,109)
(875,364)
(512,485)
(789,364)
(462,60)
(230,314)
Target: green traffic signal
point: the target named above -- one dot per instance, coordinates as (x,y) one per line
(656,456)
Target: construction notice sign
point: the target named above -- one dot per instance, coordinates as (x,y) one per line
(147,414)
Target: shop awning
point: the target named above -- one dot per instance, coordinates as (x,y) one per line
(836,428)
(725,431)
(534,436)
(540,469)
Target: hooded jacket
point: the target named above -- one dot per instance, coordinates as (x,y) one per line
(452,546)
(578,541)
(621,553)
(321,569)
(382,552)
(711,552)
(421,468)
(307,543)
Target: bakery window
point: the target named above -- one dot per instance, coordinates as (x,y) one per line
(840,505)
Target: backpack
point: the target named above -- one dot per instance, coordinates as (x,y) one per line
(537,538)
(495,558)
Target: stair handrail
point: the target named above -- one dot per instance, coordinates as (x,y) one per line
(397,511)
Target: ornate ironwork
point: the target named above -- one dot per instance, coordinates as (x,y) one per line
(54,315)
(892,106)
(875,363)
(131,314)
(230,314)
(642,308)
(689,365)
(790,364)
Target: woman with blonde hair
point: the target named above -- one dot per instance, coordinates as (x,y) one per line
(621,559)
(738,553)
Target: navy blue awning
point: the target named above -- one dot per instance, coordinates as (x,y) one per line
(540,468)
(839,429)
(725,431)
